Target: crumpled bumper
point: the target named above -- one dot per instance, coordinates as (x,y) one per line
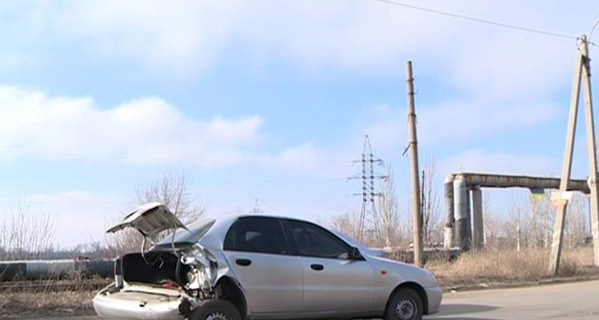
(109,303)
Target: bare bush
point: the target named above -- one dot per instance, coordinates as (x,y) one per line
(174,191)
(432,230)
(388,214)
(530,224)
(347,224)
(494,233)
(575,230)
(26,234)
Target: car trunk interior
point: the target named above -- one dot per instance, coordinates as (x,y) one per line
(159,268)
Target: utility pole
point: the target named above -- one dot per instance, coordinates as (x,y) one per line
(416,208)
(256,209)
(583,70)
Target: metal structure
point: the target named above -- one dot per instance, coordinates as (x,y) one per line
(464,226)
(369,221)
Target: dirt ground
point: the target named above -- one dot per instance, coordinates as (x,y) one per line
(27,305)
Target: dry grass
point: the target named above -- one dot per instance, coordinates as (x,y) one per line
(27,305)
(50,298)
(506,266)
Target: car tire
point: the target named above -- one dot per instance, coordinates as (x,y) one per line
(215,310)
(404,304)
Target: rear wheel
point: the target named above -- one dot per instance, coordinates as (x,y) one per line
(215,310)
(404,304)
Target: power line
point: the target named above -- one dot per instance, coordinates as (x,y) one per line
(593,30)
(479,20)
(135,158)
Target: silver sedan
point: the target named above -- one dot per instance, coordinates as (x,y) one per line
(258,267)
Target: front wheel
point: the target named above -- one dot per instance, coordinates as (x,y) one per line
(404,304)
(215,310)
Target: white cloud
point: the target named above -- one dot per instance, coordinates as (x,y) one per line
(179,37)
(445,123)
(463,120)
(509,65)
(308,159)
(146,130)
(369,37)
(186,35)
(299,156)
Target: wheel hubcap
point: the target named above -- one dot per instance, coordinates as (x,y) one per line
(217,316)
(405,309)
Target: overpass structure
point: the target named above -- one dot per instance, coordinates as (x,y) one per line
(464,226)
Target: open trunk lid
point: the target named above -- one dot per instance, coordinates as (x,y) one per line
(150,219)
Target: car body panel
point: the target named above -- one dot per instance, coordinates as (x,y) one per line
(273,284)
(390,274)
(341,285)
(435,295)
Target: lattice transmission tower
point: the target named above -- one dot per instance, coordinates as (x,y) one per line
(369,222)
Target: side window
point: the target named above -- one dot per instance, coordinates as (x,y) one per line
(314,241)
(256,234)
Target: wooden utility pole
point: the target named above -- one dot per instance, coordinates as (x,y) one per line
(583,70)
(416,207)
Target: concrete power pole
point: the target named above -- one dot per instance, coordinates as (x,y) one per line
(583,73)
(416,207)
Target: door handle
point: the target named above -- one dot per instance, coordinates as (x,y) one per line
(243,262)
(317,267)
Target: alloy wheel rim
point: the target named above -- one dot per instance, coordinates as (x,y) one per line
(405,309)
(217,316)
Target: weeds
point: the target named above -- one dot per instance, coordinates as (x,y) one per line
(498,266)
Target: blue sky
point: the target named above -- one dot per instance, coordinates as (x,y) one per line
(271,100)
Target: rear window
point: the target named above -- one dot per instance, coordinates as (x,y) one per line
(184,237)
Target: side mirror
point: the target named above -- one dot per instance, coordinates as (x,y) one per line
(354,254)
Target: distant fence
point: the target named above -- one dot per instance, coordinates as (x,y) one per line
(54,269)
(65,268)
(428,254)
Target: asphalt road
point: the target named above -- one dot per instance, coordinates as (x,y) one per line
(579,300)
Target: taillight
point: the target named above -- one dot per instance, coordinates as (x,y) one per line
(118,266)
(118,272)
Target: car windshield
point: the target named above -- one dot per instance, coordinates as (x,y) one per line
(185,237)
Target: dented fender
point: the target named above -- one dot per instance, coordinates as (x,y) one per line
(207,266)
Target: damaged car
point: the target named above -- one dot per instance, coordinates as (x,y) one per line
(258,267)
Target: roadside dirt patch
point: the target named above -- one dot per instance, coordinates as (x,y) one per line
(26,305)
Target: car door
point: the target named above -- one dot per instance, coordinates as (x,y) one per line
(258,253)
(334,282)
